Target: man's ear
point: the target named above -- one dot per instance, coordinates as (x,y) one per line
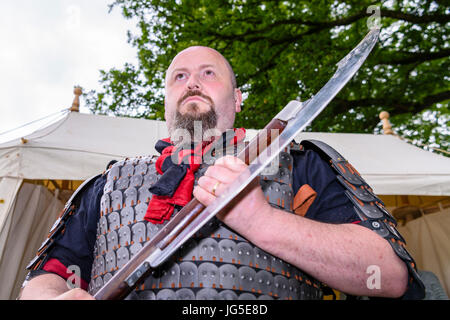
(237,99)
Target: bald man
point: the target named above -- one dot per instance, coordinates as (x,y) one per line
(259,248)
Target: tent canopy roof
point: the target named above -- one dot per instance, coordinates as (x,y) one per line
(81,145)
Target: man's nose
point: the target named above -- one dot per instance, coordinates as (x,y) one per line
(193,83)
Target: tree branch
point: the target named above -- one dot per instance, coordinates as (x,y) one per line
(270,63)
(432,99)
(320,25)
(343,105)
(405,58)
(425,18)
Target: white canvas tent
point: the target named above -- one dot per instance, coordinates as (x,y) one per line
(38,172)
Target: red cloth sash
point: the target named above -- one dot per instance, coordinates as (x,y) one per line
(177,166)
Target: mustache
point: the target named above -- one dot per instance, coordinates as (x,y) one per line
(192,93)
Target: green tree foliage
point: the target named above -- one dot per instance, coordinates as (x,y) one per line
(283,50)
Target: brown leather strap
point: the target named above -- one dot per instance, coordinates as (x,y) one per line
(303,199)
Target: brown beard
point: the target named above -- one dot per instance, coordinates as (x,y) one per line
(187,121)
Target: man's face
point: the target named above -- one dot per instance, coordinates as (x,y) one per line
(198,87)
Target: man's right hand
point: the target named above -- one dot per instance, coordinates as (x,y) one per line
(74,294)
(52,287)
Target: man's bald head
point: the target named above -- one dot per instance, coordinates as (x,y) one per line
(227,64)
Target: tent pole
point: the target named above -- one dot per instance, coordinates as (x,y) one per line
(76,101)
(387,127)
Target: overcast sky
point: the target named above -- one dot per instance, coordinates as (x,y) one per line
(49,46)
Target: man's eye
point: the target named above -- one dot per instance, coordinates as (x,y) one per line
(209,73)
(180,76)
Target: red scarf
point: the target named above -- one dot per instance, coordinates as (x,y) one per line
(177,179)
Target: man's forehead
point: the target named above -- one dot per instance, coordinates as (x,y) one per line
(204,55)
